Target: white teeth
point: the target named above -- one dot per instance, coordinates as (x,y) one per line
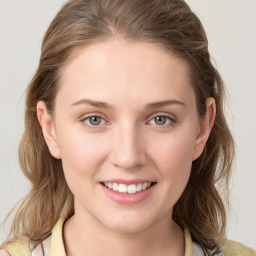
(130,189)
(122,188)
(115,186)
(144,186)
(139,187)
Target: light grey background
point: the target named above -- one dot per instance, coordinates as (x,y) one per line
(231,29)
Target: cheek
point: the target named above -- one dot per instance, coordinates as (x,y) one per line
(81,152)
(82,156)
(172,154)
(174,164)
(174,151)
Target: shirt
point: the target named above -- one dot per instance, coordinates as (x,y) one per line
(54,246)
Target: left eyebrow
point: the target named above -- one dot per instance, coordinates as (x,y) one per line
(99,104)
(165,103)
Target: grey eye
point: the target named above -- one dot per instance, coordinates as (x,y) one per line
(160,120)
(94,120)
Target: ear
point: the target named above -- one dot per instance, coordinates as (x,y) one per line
(48,129)
(205,128)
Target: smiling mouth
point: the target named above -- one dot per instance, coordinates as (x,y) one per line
(128,189)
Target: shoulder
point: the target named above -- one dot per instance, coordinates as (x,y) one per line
(19,247)
(22,247)
(233,248)
(4,253)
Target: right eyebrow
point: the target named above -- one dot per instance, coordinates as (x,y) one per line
(97,104)
(100,104)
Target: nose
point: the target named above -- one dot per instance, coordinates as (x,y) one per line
(128,149)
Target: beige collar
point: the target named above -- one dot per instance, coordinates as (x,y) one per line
(57,244)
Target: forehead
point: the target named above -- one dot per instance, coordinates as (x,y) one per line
(120,69)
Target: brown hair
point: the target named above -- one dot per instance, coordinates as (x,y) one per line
(169,23)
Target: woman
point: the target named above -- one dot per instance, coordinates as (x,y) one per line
(124,131)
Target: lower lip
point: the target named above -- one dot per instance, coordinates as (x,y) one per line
(125,198)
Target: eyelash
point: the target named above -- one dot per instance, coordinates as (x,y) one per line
(171,119)
(171,122)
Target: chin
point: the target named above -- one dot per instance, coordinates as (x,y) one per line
(129,223)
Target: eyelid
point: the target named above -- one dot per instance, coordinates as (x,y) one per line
(86,116)
(171,116)
(172,119)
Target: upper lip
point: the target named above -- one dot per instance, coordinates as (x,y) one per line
(127,182)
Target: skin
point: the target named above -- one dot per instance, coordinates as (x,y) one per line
(129,144)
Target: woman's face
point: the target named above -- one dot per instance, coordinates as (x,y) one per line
(125,117)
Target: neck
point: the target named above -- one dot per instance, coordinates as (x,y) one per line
(82,236)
